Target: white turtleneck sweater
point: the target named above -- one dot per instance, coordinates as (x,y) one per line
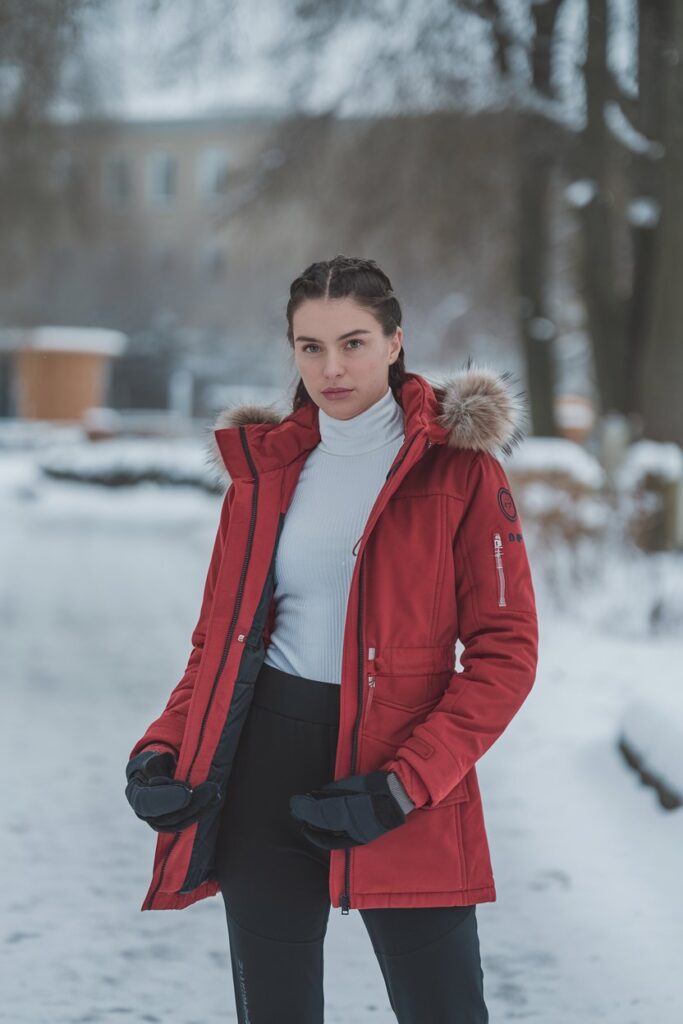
(334,495)
(335,492)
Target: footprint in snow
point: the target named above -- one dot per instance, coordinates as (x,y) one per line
(553,878)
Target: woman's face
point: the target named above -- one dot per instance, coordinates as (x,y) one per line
(338,344)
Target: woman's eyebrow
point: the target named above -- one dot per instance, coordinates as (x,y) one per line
(341,337)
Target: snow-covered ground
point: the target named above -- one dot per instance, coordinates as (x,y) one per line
(99,591)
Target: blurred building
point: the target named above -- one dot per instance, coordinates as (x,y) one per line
(136,242)
(141,216)
(186,233)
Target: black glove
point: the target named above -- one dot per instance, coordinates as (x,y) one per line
(348,812)
(165,803)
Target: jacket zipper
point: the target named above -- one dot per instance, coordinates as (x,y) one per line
(226,645)
(498,555)
(344,899)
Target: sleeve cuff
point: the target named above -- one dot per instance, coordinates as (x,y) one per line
(398,792)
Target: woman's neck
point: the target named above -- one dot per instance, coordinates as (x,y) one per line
(376,426)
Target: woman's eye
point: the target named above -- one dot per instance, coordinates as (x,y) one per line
(311,344)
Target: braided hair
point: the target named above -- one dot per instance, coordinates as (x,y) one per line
(364,282)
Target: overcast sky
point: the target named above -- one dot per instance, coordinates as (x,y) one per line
(144,67)
(211,56)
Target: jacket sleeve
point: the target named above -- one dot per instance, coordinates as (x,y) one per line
(166,732)
(499,631)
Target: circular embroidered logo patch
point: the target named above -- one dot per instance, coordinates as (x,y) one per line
(506,503)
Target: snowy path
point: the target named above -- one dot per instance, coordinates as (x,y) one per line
(98,595)
(588,923)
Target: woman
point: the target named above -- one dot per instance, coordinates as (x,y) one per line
(320,747)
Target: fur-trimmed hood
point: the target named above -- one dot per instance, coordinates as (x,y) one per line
(477,406)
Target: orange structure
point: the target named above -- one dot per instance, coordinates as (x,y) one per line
(62,371)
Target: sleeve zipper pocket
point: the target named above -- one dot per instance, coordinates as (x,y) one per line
(500,572)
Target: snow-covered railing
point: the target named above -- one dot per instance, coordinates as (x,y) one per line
(651,740)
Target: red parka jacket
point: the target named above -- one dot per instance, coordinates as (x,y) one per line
(441,557)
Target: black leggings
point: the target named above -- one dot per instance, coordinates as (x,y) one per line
(275,884)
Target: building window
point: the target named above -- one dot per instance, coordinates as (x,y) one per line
(213,172)
(213,261)
(117,181)
(60,167)
(165,257)
(163,178)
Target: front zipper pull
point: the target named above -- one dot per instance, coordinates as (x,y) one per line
(368,703)
(371,688)
(344,900)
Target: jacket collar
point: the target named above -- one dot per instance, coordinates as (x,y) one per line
(472,408)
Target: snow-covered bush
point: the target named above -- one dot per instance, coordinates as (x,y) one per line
(649,485)
(560,491)
(122,462)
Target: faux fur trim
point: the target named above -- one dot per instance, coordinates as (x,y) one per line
(481,411)
(479,408)
(239,415)
(235,416)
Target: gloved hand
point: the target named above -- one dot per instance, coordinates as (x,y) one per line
(348,812)
(165,803)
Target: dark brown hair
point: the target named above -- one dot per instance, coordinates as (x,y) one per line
(364,282)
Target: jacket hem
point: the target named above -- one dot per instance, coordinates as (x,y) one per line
(180,900)
(449,898)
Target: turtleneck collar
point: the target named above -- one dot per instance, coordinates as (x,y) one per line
(373,428)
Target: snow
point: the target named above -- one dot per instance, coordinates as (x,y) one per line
(622,48)
(541,328)
(99,593)
(17,433)
(580,193)
(173,460)
(65,450)
(557,455)
(570,48)
(663,460)
(653,729)
(541,498)
(97,340)
(630,137)
(643,212)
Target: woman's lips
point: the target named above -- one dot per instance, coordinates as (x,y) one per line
(342,393)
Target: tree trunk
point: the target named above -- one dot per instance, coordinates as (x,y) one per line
(604,307)
(653,32)
(537,154)
(535,169)
(662,377)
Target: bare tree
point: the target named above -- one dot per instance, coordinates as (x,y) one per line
(43,57)
(660,321)
(541,142)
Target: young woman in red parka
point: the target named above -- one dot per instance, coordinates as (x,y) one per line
(320,748)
